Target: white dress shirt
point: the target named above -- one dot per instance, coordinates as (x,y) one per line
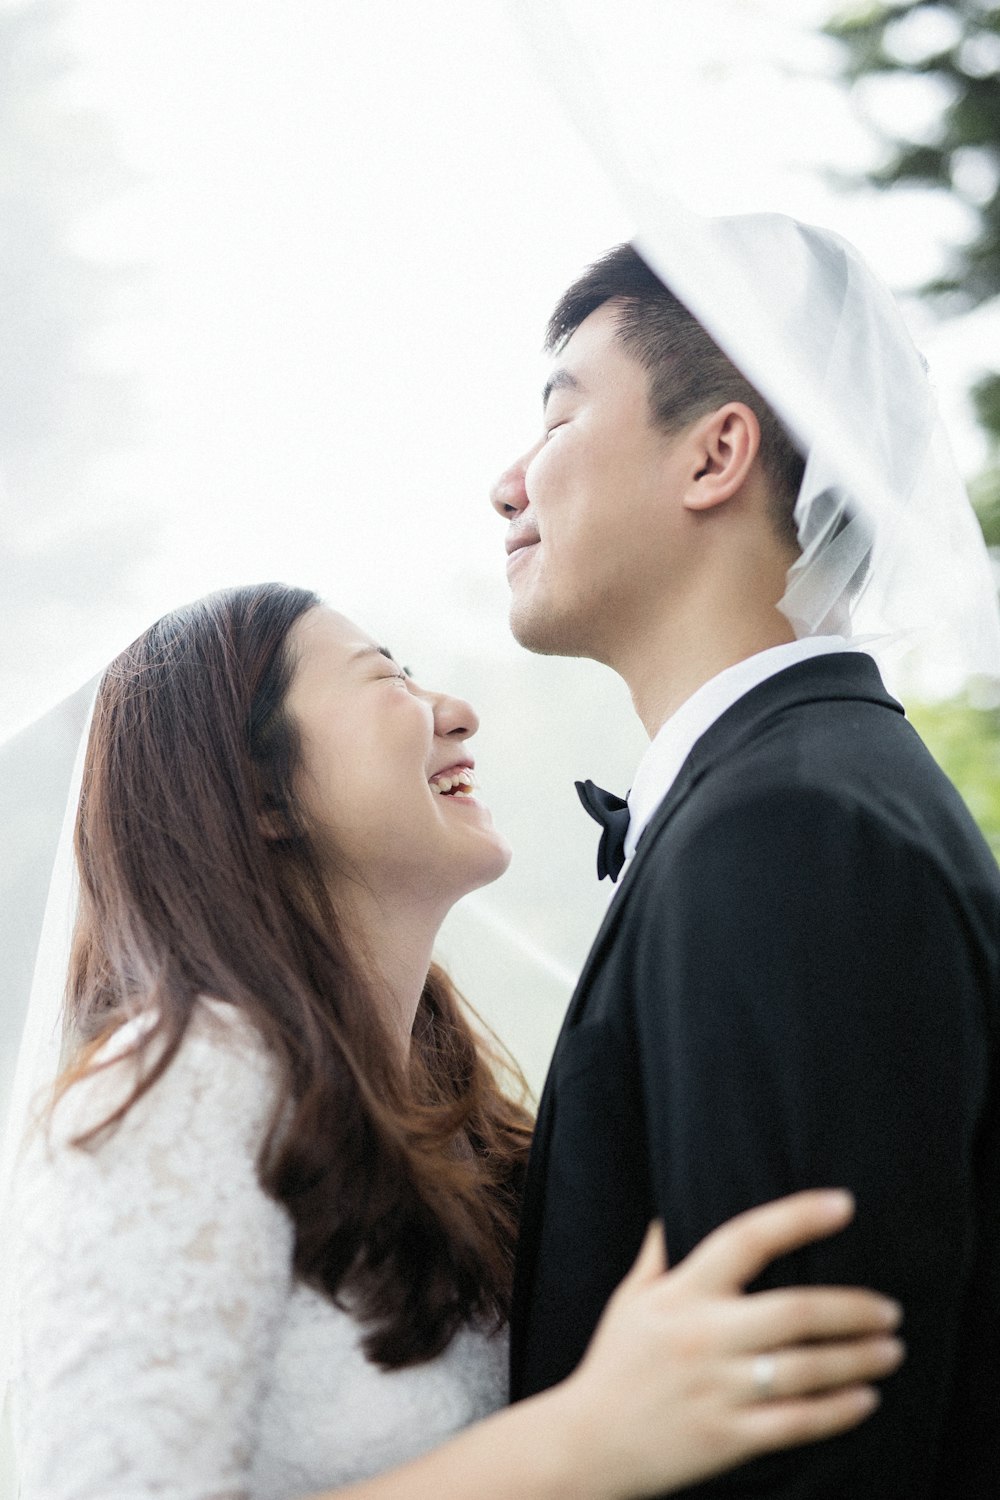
(671,746)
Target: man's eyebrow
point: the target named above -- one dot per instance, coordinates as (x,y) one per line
(559,380)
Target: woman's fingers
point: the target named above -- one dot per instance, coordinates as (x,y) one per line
(737,1252)
(811,1370)
(712,1376)
(787,1424)
(651,1261)
(796,1315)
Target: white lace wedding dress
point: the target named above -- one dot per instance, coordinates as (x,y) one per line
(164,1348)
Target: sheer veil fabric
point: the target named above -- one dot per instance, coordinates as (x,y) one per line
(892,554)
(891,551)
(28,1069)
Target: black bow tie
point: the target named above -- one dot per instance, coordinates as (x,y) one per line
(612,814)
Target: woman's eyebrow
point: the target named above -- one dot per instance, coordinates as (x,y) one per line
(373,651)
(364,651)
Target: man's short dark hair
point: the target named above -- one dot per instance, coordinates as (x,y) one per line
(689,374)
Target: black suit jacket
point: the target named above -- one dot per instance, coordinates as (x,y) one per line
(795,986)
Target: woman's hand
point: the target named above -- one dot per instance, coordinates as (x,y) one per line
(687,1375)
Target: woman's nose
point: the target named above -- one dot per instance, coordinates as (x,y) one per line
(454,718)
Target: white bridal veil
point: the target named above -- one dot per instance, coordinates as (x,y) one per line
(891,552)
(891,549)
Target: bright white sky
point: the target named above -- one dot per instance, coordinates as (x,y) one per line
(350,221)
(346,226)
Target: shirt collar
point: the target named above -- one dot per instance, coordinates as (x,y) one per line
(671,746)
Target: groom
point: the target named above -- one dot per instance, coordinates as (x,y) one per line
(796,984)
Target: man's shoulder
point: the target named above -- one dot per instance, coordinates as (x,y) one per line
(825,758)
(814,781)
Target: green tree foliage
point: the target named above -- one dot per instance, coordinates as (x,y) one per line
(965,741)
(957,46)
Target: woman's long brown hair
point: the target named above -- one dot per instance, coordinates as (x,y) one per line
(403,1184)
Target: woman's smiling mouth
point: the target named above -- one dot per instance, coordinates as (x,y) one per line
(456,782)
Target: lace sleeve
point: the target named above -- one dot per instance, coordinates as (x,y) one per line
(153,1276)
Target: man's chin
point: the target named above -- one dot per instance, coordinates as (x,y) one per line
(540,631)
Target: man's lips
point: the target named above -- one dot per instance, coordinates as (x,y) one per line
(519,540)
(518,548)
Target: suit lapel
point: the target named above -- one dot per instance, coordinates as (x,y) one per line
(531,1205)
(851,675)
(839,675)
(680,788)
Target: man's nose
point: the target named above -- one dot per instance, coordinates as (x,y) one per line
(509,496)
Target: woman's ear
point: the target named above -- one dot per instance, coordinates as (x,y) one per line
(274,823)
(726,444)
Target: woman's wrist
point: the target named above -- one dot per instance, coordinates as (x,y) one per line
(578,1461)
(547,1447)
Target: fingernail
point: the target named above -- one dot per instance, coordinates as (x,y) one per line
(868,1399)
(838,1202)
(892,1350)
(891,1312)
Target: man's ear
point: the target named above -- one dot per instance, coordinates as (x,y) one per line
(725,444)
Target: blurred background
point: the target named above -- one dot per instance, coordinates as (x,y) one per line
(273,282)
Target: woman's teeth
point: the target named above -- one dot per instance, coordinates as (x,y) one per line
(448,783)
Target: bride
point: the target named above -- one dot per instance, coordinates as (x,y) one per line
(266,1226)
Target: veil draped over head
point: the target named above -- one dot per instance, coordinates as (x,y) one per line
(891,553)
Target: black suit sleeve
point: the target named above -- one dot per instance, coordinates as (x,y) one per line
(808,1014)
